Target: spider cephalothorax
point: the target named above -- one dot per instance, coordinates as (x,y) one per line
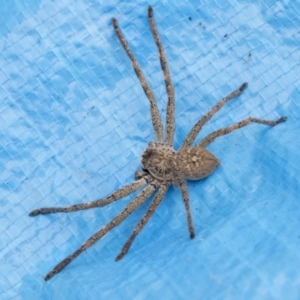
(161,165)
(158,160)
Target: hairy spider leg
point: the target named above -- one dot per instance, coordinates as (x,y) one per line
(132,206)
(198,126)
(156,120)
(170,118)
(120,193)
(211,137)
(186,201)
(155,203)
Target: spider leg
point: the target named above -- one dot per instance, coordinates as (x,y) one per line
(170,120)
(198,126)
(153,106)
(211,137)
(132,206)
(120,193)
(185,196)
(157,200)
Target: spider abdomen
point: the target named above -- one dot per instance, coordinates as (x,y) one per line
(195,163)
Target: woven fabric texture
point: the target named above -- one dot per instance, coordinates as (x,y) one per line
(74,121)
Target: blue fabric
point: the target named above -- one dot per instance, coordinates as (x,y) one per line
(74,121)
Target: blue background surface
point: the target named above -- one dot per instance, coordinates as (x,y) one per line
(74,121)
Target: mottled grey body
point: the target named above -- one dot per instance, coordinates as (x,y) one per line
(194,163)
(166,164)
(162,165)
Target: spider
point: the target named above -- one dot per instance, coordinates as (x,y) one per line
(161,164)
